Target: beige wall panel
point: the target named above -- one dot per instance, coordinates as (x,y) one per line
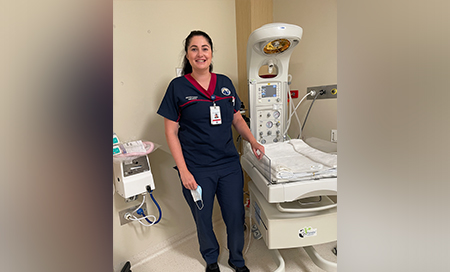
(250,15)
(314,60)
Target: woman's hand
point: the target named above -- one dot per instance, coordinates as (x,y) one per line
(188,180)
(258,150)
(241,127)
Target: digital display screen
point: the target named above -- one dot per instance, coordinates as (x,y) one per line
(269,91)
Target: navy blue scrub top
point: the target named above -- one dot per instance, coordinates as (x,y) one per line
(188,103)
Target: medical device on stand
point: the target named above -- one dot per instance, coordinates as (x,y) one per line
(267,70)
(133,176)
(292,186)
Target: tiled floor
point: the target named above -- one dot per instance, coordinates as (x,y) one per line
(186,257)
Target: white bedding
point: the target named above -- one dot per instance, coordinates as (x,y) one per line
(294,160)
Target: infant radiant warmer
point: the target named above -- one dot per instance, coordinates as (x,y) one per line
(294,186)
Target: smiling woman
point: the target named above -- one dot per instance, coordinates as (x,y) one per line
(199,56)
(199,110)
(199,53)
(196,39)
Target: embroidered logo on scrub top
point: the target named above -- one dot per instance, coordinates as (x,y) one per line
(225,91)
(192,97)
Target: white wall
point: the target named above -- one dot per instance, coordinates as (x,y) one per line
(314,60)
(148,46)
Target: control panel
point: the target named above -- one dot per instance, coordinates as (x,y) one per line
(132,177)
(268,112)
(268,93)
(269,126)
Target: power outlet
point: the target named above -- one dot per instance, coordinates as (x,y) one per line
(324,92)
(334,135)
(122,213)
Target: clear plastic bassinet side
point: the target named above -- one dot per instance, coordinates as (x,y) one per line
(264,165)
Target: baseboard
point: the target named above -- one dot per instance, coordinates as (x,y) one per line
(156,250)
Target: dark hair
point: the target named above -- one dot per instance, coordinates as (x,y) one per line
(187,68)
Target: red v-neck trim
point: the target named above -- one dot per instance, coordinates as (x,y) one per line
(211,87)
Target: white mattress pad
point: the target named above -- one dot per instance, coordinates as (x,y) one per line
(294,160)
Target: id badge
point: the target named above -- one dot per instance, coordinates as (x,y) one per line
(216,119)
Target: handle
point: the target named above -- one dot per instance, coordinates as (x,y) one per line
(316,209)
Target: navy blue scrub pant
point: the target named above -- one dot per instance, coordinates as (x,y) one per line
(227,184)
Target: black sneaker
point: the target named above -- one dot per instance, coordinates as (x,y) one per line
(214,267)
(238,269)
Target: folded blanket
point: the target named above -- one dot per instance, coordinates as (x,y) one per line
(285,157)
(295,160)
(316,155)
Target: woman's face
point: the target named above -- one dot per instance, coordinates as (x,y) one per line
(199,53)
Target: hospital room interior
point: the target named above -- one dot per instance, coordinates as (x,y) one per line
(148,53)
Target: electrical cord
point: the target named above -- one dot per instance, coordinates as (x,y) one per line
(134,218)
(149,190)
(295,112)
(139,211)
(291,105)
(142,203)
(249,229)
(306,117)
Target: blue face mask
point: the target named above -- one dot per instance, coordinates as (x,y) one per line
(197,196)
